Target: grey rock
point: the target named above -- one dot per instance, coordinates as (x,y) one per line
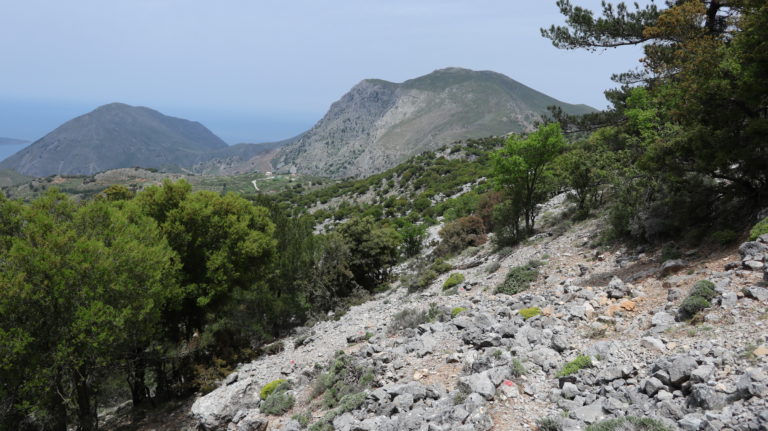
(590,413)
(479,383)
(757,292)
(671,266)
(680,369)
(561,343)
(403,402)
(344,422)
(753,250)
(291,425)
(662,320)
(653,344)
(706,397)
(691,422)
(702,373)
(652,385)
(219,406)
(253,421)
(569,391)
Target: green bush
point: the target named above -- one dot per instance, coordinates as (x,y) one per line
(628,423)
(460,234)
(670,251)
(581,361)
(277,403)
(458,310)
(440,266)
(724,237)
(527,313)
(519,278)
(302,418)
(517,368)
(344,377)
(697,300)
(270,387)
(549,424)
(453,280)
(704,289)
(761,228)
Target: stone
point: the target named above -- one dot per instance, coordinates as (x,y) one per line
(705,397)
(344,422)
(753,250)
(561,343)
(671,266)
(663,320)
(403,402)
(653,385)
(702,373)
(691,422)
(680,369)
(508,389)
(479,383)
(760,351)
(653,344)
(590,413)
(253,421)
(569,391)
(616,288)
(757,293)
(627,305)
(219,406)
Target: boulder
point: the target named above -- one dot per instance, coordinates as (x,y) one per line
(478,383)
(216,409)
(671,266)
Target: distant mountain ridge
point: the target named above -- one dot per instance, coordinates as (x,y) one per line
(12,141)
(116,136)
(378,124)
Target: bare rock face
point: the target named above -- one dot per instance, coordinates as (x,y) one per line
(379,124)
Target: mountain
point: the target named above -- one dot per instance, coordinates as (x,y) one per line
(379,124)
(116,136)
(11,141)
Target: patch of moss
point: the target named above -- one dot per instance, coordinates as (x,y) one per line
(573,367)
(760,228)
(270,387)
(628,423)
(457,310)
(527,313)
(453,280)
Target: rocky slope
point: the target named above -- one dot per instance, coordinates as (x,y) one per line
(116,136)
(489,367)
(379,124)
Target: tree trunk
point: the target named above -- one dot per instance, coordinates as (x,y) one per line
(86,405)
(136,379)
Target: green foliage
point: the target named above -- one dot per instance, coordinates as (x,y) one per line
(760,228)
(408,318)
(521,170)
(343,382)
(628,423)
(460,234)
(440,266)
(270,387)
(519,279)
(517,368)
(549,424)
(412,237)
(302,418)
(724,237)
(697,300)
(704,289)
(670,251)
(278,403)
(572,367)
(373,250)
(457,310)
(527,313)
(453,280)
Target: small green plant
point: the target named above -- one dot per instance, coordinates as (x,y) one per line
(761,228)
(270,387)
(457,310)
(573,367)
(549,424)
(277,403)
(628,423)
(519,278)
(527,313)
(453,280)
(302,418)
(517,368)
(670,251)
(274,348)
(440,266)
(497,354)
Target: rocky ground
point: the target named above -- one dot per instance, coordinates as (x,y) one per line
(490,368)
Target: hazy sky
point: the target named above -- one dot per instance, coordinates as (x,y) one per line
(257,70)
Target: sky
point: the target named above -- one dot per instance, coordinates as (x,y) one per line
(264,70)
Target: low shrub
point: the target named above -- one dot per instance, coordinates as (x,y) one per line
(453,280)
(270,387)
(273,349)
(519,278)
(549,424)
(460,234)
(670,251)
(277,403)
(457,310)
(408,318)
(344,377)
(628,423)
(527,313)
(761,228)
(440,266)
(302,418)
(517,368)
(724,237)
(492,267)
(697,300)
(573,367)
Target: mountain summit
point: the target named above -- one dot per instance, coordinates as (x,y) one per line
(115,136)
(379,124)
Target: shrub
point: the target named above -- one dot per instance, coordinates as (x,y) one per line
(517,368)
(458,310)
(697,300)
(460,234)
(270,387)
(724,237)
(453,280)
(760,228)
(492,267)
(302,418)
(628,423)
(408,318)
(581,361)
(440,266)
(278,403)
(344,377)
(549,424)
(527,313)
(670,251)
(519,278)
(273,349)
